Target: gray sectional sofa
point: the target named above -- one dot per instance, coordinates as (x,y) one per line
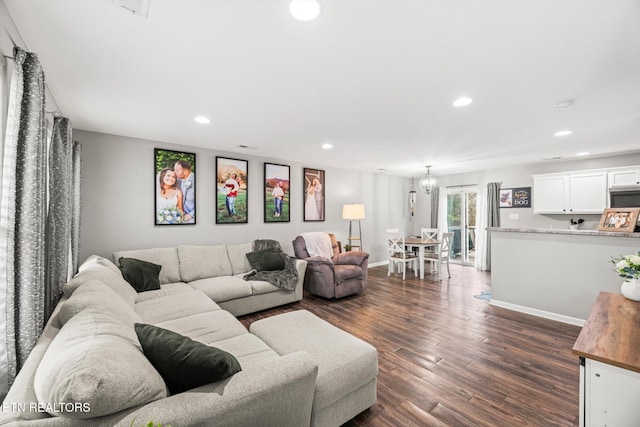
(88,366)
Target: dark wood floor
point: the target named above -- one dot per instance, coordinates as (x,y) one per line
(447,358)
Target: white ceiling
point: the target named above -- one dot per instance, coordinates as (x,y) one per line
(376,78)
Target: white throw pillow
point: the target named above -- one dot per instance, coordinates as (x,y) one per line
(95,368)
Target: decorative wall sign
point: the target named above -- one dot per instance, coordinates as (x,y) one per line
(515,197)
(619,219)
(231,190)
(175,187)
(276,193)
(314,192)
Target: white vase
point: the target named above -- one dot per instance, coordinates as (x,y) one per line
(631,289)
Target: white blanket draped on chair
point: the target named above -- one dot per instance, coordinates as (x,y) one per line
(318,244)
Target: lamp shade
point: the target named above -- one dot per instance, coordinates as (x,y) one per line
(353,211)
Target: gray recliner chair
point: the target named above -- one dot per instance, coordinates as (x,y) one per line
(342,275)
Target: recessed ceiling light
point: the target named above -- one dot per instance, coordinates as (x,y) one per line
(462,102)
(563,133)
(564,104)
(202,119)
(327,146)
(584,153)
(304,10)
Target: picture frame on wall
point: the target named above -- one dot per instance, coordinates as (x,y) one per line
(314,194)
(619,219)
(175,187)
(232,188)
(515,197)
(276,193)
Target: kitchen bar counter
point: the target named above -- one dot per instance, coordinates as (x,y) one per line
(555,273)
(564,231)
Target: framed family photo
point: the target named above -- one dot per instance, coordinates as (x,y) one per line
(314,191)
(231,190)
(619,219)
(276,193)
(175,187)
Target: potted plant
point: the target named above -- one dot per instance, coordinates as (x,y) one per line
(628,267)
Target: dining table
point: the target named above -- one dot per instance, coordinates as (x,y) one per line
(422,245)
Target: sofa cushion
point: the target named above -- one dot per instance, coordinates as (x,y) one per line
(142,275)
(259,287)
(99,272)
(266,260)
(184,363)
(238,258)
(207,328)
(200,262)
(94,293)
(175,306)
(166,257)
(168,289)
(94,364)
(223,288)
(250,350)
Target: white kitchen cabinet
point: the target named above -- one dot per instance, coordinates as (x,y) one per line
(609,396)
(574,193)
(622,177)
(609,351)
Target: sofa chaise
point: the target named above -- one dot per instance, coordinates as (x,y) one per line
(88,366)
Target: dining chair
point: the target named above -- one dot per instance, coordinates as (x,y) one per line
(398,254)
(441,254)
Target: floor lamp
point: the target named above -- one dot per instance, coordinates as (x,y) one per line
(354,212)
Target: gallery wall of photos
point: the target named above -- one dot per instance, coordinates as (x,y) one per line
(175,183)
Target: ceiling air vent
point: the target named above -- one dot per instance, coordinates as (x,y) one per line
(136,7)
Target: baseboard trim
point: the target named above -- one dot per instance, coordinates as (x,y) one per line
(378,264)
(540,313)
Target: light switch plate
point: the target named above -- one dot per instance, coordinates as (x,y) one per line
(514,216)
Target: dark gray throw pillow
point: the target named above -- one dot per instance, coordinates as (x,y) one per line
(182,362)
(142,275)
(266,259)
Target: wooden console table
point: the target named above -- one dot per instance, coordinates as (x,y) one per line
(609,351)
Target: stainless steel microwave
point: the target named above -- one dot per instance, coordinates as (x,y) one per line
(624,196)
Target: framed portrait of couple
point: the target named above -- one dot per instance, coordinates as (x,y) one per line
(175,187)
(619,219)
(232,179)
(314,189)
(276,193)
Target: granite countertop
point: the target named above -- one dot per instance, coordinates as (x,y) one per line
(564,231)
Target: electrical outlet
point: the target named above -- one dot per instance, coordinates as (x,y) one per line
(514,216)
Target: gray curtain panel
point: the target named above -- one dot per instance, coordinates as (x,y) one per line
(60,214)
(493,214)
(76,172)
(435,201)
(23,211)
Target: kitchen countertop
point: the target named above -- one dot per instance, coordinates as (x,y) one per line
(564,231)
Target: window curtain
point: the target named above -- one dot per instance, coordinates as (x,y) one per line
(23,213)
(493,215)
(481,229)
(60,214)
(435,198)
(76,173)
(443,226)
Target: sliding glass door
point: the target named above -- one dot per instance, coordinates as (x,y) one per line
(461,220)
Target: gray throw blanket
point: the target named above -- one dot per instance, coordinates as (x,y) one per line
(285,279)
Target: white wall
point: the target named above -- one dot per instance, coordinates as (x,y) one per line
(520,176)
(118,201)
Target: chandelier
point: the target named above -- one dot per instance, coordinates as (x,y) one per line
(428,182)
